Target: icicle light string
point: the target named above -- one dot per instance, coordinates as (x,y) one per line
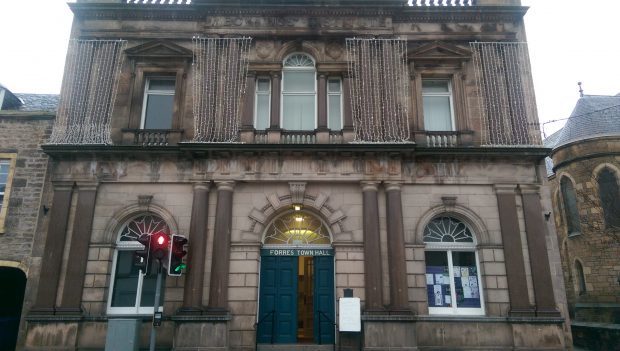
(379,89)
(90,83)
(507,102)
(220,66)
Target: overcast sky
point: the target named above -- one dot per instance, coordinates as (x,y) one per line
(569,41)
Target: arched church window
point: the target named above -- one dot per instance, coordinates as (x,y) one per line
(609,197)
(569,200)
(581,279)
(297,228)
(453,279)
(298,93)
(132,291)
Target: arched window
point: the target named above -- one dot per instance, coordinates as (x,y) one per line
(569,200)
(453,278)
(132,292)
(297,228)
(581,279)
(299,93)
(610,197)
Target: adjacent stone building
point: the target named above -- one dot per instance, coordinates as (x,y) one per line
(304,147)
(585,178)
(25,123)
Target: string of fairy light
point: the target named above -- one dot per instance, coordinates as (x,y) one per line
(220,67)
(379,89)
(90,84)
(507,103)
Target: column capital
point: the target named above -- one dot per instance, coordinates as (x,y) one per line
(202,186)
(529,189)
(225,185)
(63,185)
(393,186)
(85,186)
(275,74)
(505,188)
(369,185)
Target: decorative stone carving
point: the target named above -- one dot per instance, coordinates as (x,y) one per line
(264,49)
(298,190)
(334,50)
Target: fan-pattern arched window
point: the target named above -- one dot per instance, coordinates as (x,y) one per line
(452,274)
(299,93)
(569,202)
(131,291)
(609,197)
(297,228)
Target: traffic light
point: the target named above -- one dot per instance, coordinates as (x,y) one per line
(160,243)
(177,252)
(141,257)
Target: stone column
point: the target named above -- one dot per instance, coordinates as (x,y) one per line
(322,101)
(54,247)
(399,298)
(71,300)
(197,247)
(513,251)
(537,246)
(372,248)
(218,294)
(275,100)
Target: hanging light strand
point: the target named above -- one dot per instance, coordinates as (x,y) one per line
(506,94)
(379,89)
(220,66)
(89,89)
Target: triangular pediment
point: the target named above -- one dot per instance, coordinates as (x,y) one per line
(159,49)
(439,51)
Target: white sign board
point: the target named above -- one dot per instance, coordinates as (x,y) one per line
(349,316)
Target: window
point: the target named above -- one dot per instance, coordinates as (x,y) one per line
(453,280)
(437,105)
(298,93)
(7,165)
(158,105)
(569,201)
(334,104)
(610,197)
(131,291)
(581,279)
(262,108)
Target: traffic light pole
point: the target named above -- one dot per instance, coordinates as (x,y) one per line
(156,306)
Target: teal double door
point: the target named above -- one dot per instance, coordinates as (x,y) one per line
(296,302)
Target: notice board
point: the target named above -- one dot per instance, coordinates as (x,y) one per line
(349,314)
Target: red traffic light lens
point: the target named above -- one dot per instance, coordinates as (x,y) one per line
(161,240)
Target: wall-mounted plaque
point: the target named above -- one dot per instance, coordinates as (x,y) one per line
(349,318)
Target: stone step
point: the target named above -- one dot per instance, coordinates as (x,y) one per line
(295,347)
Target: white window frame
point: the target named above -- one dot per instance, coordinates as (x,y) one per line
(136,309)
(258,93)
(148,92)
(339,94)
(448,94)
(455,310)
(283,93)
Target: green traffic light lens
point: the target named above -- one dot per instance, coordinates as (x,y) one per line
(180,267)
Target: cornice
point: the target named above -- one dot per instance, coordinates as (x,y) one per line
(197,12)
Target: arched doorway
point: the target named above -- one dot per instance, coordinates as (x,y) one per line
(11,300)
(296,296)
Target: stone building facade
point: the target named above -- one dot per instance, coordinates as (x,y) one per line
(25,123)
(304,148)
(585,179)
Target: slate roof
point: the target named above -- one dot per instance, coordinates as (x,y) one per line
(593,116)
(39,102)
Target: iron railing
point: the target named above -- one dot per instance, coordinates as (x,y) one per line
(322,314)
(273,324)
